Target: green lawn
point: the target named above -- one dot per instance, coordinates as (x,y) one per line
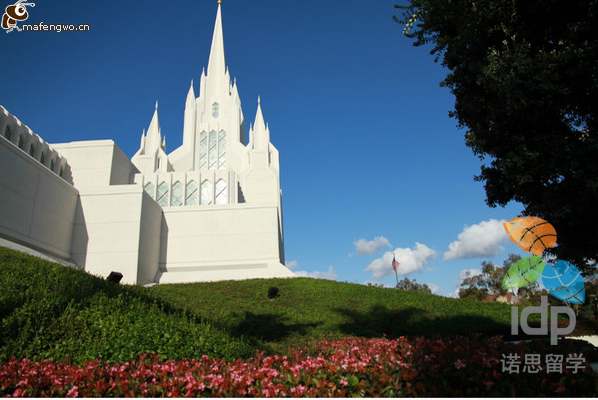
(51,311)
(308,310)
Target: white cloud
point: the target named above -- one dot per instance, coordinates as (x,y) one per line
(409,260)
(480,240)
(363,246)
(472,272)
(463,275)
(434,288)
(330,274)
(292,264)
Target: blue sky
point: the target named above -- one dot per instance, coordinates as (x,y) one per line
(370,161)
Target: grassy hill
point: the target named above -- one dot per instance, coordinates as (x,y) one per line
(309,310)
(51,311)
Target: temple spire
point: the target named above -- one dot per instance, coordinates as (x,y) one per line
(190,94)
(153,136)
(217,63)
(260,132)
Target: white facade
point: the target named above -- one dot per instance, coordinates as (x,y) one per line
(210,210)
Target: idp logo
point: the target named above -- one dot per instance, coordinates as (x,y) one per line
(15,13)
(561,279)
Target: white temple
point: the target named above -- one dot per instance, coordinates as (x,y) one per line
(210,210)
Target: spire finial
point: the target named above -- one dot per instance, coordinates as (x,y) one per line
(156,104)
(219,2)
(258,100)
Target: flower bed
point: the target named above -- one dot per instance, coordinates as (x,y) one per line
(463,366)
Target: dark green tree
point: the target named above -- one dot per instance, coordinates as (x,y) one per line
(524,74)
(413,286)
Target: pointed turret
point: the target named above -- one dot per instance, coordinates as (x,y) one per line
(189,119)
(190,95)
(151,155)
(260,134)
(154,137)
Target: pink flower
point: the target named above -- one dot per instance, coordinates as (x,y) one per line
(73,392)
(460,364)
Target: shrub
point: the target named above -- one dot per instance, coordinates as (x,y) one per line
(466,366)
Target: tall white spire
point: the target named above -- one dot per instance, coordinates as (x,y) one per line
(217,62)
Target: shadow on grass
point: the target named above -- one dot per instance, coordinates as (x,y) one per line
(379,320)
(267,327)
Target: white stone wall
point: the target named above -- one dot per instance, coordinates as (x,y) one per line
(219,243)
(117,226)
(37,206)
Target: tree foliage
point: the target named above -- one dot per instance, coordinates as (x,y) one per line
(490,281)
(413,286)
(524,74)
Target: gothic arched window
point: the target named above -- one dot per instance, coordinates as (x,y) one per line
(21,141)
(42,159)
(31,150)
(215,110)
(203,150)
(8,133)
(207,193)
(149,189)
(222,150)
(221,194)
(191,196)
(52,165)
(177,194)
(162,194)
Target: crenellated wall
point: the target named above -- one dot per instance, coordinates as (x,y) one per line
(37,199)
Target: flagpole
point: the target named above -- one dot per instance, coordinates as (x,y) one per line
(395,267)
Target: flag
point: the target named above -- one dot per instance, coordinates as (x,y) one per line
(395,263)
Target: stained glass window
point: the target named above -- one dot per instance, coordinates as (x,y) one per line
(207,193)
(212,153)
(162,194)
(149,189)
(191,198)
(221,194)
(203,150)
(222,150)
(177,194)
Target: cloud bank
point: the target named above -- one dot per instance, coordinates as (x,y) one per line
(363,246)
(292,264)
(410,260)
(330,274)
(480,240)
